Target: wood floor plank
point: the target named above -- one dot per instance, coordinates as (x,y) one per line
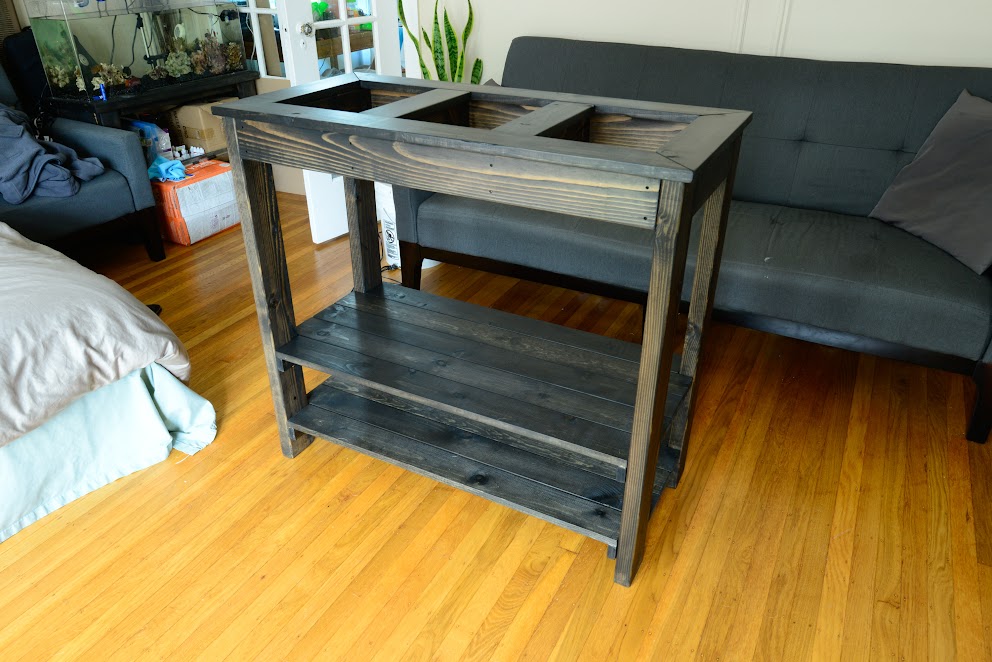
(544,556)
(913,639)
(940,578)
(985,590)
(218,581)
(334,548)
(856,639)
(463,608)
(620,627)
(873,529)
(980,459)
(887,613)
(700,560)
(336,625)
(496,530)
(353,582)
(968,637)
(828,638)
(735,613)
(789,618)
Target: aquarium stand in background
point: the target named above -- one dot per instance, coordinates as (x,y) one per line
(109,112)
(104,59)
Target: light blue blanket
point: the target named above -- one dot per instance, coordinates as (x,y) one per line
(116,430)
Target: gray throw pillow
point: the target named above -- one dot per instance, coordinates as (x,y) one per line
(945,194)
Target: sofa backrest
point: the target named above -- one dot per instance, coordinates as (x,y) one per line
(825,135)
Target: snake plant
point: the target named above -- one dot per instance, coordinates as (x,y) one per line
(444,50)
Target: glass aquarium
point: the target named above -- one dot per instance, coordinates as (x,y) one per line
(102,49)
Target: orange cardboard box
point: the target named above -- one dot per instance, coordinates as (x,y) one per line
(199,206)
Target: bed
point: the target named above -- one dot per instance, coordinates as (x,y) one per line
(91,384)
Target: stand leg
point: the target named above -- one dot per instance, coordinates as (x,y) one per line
(412,263)
(266,253)
(665,287)
(151,234)
(715,214)
(359,199)
(981,415)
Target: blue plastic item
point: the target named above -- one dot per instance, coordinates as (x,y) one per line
(163,169)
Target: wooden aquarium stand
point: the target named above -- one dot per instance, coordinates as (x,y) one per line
(577,429)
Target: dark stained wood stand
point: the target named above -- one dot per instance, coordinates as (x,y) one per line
(578,429)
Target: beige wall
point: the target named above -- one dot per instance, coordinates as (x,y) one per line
(954,32)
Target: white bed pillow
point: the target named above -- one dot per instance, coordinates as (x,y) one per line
(66,331)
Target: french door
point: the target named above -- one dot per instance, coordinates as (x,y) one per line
(324,39)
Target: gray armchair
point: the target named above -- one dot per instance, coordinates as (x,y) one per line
(122,191)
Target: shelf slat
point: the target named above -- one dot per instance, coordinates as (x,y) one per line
(532,385)
(603,491)
(530,426)
(533,497)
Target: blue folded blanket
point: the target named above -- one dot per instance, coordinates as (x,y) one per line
(32,167)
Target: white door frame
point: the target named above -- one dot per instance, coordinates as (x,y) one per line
(325,194)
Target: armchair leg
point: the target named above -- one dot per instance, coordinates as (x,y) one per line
(981,417)
(411,262)
(151,234)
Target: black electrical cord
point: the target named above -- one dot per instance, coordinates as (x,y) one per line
(113,39)
(134,39)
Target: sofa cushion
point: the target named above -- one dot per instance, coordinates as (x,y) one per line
(824,135)
(603,252)
(945,194)
(851,274)
(98,201)
(844,273)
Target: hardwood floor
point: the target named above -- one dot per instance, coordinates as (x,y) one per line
(830,508)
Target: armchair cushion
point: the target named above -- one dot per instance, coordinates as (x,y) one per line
(99,200)
(117,149)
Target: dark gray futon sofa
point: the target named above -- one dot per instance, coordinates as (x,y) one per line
(801,258)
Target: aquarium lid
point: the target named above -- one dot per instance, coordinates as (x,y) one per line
(82,9)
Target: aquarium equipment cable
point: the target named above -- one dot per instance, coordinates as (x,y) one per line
(113,38)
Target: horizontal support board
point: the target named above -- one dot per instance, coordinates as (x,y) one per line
(633,132)
(531,497)
(633,107)
(490,114)
(531,374)
(393,304)
(421,105)
(498,380)
(543,332)
(557,120)
(612,197)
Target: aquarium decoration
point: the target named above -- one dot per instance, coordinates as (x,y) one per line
(116,47)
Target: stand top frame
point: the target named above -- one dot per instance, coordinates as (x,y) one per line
(631,145)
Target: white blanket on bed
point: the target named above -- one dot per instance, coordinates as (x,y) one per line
(66,331)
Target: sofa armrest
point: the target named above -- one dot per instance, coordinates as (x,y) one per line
(117,149)
(408,201)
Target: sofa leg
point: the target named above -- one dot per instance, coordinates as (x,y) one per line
(151,234)
(981,417)
(411,263)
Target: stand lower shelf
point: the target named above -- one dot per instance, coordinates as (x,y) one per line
(526,413)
